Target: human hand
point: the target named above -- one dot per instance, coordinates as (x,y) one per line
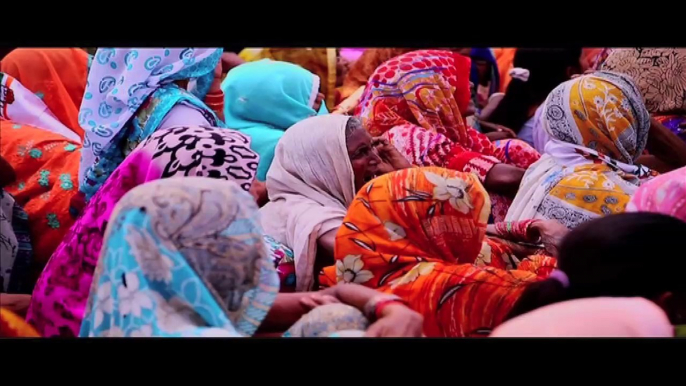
(550,233)
(315,300)
(389,155)
(396,321)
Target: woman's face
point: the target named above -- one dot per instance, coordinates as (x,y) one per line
(363,157)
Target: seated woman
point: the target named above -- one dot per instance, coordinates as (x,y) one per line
(60,295)
(535,74)
(419,233)
(607,258)
(319,165)
(664,194)
(41,138)
(203,272)
(597,126)
(418,101)
(264,98)
(484,74)
(131,93)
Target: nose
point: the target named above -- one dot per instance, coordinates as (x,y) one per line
(374,159)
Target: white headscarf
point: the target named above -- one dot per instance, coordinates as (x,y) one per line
(310,185)
(588,318)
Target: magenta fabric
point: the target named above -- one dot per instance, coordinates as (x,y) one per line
(664,194)
(59,298)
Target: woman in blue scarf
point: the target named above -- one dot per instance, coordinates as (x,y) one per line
(184,257)
(264,98)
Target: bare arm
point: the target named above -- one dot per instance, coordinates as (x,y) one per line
(504,179)
(666,146)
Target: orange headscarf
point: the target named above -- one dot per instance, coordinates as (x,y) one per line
(57,75)
(419,233)
(364,67)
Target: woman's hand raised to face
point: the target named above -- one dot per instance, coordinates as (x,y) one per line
(396,321)
(391,158)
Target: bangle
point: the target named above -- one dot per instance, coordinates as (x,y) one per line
(374,307)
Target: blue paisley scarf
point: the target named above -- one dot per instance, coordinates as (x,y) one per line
(128,94)
(182,257)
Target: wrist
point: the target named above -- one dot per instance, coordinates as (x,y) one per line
(375,308)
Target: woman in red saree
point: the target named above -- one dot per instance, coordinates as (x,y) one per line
(418,100)
(419,233)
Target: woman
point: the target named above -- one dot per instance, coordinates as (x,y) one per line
(417,101)
(607,258)
(41,145)
(660,74)
(535,74)
(264,98)
(591,318)
(598,126)
(664,194)
(59,298)
(319,165)
(57,76)
(203,272)
(364,68)
(419,234)
(131,93)
(484,74)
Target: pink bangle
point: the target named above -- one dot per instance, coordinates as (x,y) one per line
(373,308)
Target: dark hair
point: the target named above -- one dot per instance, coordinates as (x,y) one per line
(548,67)
(623,255)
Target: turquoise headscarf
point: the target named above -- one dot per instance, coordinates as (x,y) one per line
(264,98)
(182,257)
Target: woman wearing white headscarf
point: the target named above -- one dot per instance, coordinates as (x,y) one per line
(319,164)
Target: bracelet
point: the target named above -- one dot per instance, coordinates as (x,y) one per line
(374,307)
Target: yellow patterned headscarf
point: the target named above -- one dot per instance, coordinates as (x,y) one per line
(603,112)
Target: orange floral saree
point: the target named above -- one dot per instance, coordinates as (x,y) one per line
(419,233)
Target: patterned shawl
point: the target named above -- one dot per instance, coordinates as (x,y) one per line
(183,257)
(598,126)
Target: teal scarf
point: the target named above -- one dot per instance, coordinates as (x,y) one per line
(264,98)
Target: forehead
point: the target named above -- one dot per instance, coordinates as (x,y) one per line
(358,138)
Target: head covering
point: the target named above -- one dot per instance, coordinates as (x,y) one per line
(505,59)
(428,88)
(597,127)
(664,194)
(660,74)
(183,257)
(364,67)
(16,254)
(20,106)
(60,295)
(591,318)
(264,98)
(120,82)
(319,61)
(310,185)
(55,75)
(485,54)
(419,233)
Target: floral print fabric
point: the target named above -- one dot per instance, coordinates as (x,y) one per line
(419,234)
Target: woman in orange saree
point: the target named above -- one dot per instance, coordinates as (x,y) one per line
(420,234)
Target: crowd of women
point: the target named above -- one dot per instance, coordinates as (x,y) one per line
(319,192)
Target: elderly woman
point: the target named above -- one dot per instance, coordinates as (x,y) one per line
(204,272)
(597,126)
(319,165)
